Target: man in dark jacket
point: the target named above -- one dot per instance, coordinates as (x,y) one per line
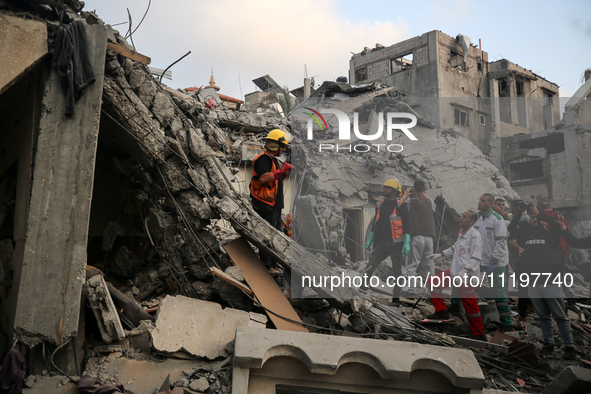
(541,260)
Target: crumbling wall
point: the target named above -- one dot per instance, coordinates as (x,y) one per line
(178,146)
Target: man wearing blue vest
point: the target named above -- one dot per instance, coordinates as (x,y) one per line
(389,234)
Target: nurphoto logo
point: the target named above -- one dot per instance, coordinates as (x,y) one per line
(392,120)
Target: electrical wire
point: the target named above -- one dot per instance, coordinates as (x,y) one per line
(55,366)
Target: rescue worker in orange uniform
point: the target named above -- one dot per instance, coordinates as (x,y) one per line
(266,185)
(389,234)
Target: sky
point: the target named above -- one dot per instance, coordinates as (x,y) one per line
(289,40)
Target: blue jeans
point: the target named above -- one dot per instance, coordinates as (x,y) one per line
(549,302)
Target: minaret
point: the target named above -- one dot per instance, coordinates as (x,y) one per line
(212,82)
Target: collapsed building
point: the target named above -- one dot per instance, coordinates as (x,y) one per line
(511,113)
(135,202)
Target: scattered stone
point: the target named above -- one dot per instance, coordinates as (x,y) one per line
(181,382)
(30,382)
(199,385)
(235,272)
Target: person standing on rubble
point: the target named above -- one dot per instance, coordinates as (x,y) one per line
(266,185)
(466,253)
(422,232)
(541,256)
(579,243)
(520,215)
(389,234)
(495,255)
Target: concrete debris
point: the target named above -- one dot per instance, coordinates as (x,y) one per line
(160,201)
(104,309)
(200,328)
(571,380)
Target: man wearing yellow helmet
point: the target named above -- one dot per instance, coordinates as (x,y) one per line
(389,233)
(266,185)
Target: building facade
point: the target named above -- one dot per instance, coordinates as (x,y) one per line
(451,83)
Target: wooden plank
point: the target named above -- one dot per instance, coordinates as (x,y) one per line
(221,274)
(128,53)
(263,285)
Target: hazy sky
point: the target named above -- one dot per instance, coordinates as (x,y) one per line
(243,40)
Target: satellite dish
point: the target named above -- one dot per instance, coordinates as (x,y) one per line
(312,81)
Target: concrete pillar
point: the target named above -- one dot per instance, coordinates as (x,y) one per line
(495,108)
(54,251)
(573,180)
(307,88)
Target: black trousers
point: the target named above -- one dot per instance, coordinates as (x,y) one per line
(271,215)
(381,251)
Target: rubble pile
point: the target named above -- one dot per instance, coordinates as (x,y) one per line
(164,293)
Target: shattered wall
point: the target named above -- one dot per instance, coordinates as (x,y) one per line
(526,101)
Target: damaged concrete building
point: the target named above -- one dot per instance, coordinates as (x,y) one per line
(451,82)
(508,111)
(552,164)
(129,250)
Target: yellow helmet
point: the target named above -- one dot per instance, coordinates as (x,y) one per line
(394,184)
(278,135)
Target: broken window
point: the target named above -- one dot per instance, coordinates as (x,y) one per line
(553,143)
(456,60)
(503,88)
(549,96)
(526,169)
(519,88)
(361,74)
(403,62)
(461,117)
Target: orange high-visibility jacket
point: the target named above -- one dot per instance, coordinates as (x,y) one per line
(395,221)
(266,193)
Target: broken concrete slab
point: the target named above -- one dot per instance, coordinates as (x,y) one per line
(201,328)
(571,380)
(262,356)
(97,293)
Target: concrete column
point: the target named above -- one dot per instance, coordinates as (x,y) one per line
(54,252)
(495,108)
(573,180)
(307,88)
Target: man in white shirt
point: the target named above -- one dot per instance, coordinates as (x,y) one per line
(465,264)
(495,255)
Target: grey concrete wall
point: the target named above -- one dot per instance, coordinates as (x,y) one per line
(377,60)
(54,254)
(536,112)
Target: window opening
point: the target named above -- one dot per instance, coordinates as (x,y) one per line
(403,62)
(460,117)
(361,74)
